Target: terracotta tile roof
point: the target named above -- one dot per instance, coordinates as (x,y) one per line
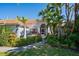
(8,22)
(11,22)
(1,21)
(28,22)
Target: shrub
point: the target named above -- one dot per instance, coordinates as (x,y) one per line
(3,42)
(10,39)
(34,39)
(28,40)
(75,39)
(21,42)
(69,41)
(72,40)
(7,39)
(52,40)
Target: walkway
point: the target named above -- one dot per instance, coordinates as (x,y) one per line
(14,49)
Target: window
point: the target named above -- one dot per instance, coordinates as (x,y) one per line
(34,31)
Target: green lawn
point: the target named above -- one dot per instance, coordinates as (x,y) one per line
(46,51)
(43,51)
(3,54)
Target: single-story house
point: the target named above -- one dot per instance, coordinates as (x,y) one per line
(30,27)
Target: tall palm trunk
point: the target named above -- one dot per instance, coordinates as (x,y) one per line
(67,12)
(51,30)
(25,31)
(75,12)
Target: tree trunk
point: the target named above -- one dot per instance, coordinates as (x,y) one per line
(25,34)
(51,29)
(76,12)
(67,12)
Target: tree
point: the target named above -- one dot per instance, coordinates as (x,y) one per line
(23,20)
(69,12)
(76,11)
(69,9)
(52,15)
(45,16)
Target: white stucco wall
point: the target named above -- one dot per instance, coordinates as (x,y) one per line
(18,33)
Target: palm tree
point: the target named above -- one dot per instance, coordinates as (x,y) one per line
(76,12)
(76,16)
(23,20)
(68,11)
(45,16)
(52,13)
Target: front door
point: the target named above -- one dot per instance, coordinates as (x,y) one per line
(43,29)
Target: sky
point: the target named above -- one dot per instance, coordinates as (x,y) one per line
(28,10)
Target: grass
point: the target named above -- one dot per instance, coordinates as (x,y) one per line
(45,51)
(2,54)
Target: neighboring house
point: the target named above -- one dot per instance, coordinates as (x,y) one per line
(32,27)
